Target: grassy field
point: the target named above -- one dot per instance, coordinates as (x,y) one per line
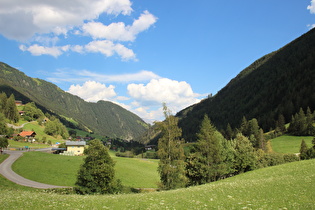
(33,126)
(62,170)
(288,186)
(289,144)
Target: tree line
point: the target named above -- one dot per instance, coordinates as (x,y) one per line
(213,157)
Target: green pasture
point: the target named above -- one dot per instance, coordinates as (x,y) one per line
(62,170)
(287,186)
(289,144)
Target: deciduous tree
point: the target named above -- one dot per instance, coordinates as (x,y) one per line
(97,174)
(245,158)
(171,166)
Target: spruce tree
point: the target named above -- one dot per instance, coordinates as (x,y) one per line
(97,174)
(303,150)
(3,101)
(209,147)
(10,110)
(213,156)
(229,132)
(171,153)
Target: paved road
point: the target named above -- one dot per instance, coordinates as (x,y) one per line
(7,172)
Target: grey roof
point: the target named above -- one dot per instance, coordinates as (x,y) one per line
(75,143)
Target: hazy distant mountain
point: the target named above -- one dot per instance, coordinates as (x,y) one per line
(278,83)
(103,117)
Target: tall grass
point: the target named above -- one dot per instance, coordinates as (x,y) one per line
(287,186)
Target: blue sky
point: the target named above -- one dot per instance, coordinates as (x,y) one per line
(140,54)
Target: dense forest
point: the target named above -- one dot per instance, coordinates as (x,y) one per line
(279,83)
(104,118)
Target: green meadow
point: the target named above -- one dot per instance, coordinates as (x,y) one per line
(288,186)
(62,170)
(289,144)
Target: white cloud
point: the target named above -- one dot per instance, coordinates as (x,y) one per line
(177,95)
(77,76)
(310,26)
(312,7)
(41,24)
(119,31)
(105,47)
(145,100)
(41,50)
(93,91)
(29,17)
(162,90)
(108,48)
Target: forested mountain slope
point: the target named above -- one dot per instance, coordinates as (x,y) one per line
(103,117)
(278,83)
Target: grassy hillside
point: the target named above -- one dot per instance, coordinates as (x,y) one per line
(278,83)
(33,126)
(289,144)
(288,186)
(62,170)
(103,117)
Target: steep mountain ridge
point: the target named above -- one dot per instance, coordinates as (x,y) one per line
(278,83)
(104,117)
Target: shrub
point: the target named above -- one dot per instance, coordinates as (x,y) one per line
(290,158)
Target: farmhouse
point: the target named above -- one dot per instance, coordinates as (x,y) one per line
(75,147)
(27,134)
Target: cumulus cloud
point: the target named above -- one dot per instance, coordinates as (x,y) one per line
(27,18)
(119,31)
(41,24)
(145,100)
(41,50)
(149,98)
(312,7)
(108,48)
(162,90)
(93,91)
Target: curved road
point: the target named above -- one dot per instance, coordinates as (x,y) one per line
(7,172)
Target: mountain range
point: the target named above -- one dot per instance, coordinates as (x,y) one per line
(279,83)
(103,118)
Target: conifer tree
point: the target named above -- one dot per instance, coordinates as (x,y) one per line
(171,166)
(244,126)
(303,150)
(3,126)
(3,101)
(280,124)
(97,174)
(10,110)
(229,132)
(213,156)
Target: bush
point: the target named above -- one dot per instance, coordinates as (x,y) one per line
(273,159)
(127,154)
(290,158)
(150,155)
